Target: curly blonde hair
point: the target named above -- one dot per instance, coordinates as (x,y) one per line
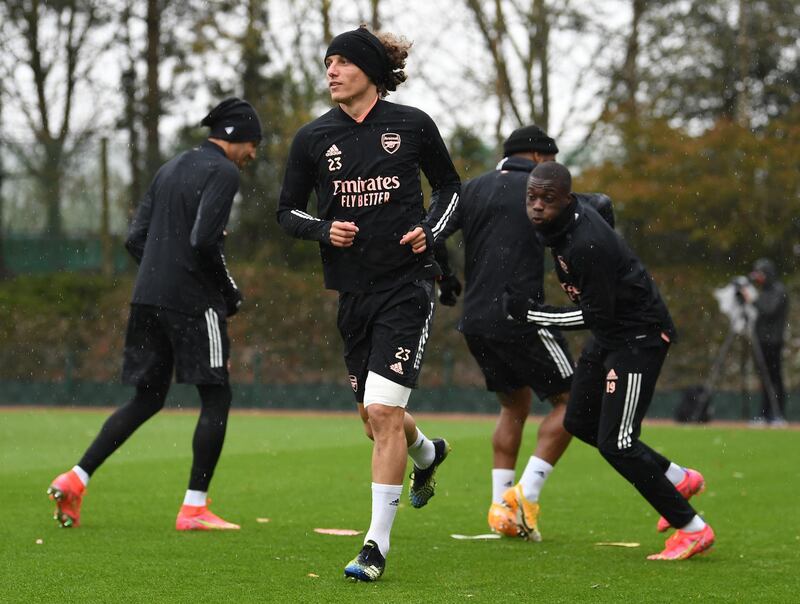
(397,48)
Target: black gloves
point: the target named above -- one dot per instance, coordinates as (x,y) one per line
(233,300)
(516,305)
(449,289)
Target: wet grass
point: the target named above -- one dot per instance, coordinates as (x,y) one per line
(308,472)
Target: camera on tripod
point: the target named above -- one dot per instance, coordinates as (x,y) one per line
(742,285)
(736,302)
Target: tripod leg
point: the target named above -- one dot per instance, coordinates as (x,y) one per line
(713,376)
(743,394)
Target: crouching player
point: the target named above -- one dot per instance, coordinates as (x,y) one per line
(502,248)
(616,375)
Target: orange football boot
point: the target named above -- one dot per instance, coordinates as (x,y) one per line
(682,545)
(526,513)
(200,518)
(67,491)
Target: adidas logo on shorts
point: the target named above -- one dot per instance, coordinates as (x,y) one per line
(332,151)
(397,368)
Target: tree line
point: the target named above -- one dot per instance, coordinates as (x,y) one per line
(687,110)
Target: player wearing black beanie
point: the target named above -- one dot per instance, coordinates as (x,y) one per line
(529,139)
(364,160)
(502,249)
(364,49)
(234,120)
(181,303)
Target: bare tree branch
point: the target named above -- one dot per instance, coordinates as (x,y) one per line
(40,70)
(580,84)
(325,9)
(375,20)
(492,35)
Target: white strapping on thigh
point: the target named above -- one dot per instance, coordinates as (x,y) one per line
(379,390)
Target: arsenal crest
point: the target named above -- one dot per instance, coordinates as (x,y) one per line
(390,142)
(563,264)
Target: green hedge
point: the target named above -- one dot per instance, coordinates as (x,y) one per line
(70,327)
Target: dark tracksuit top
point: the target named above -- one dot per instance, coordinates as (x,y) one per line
(501,247)
(615,379)
(615,296)
(368,173)
(177,233)
(772,305)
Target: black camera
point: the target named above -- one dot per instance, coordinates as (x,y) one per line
(740,284)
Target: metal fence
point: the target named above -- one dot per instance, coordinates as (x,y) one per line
(35,254)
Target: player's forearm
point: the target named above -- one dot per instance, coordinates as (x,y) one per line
(137,237)
(445,182)
(212,261)
(137,233)
(135,248)
(520,307)
(302,225)
(563,317)
(444,203)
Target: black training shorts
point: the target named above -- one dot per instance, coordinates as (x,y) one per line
(541,361)
(159,339)
(385,332)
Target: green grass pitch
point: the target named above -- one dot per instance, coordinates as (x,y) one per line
(303,472)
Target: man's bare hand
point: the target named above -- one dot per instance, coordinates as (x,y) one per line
(343,233)
(417,239)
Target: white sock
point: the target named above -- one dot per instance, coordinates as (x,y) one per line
(532,481)
(695,524)
(502,479)
(422,452)
(81,473)
(675,474)
(197,498)
(385,499)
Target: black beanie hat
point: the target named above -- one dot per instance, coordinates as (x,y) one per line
(364,49)
(529,138)
(767,267)
(234,120)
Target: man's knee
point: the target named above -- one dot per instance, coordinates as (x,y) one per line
(385,421)
(559,400)
(381,414)
(384,404)
(217,396)
(582,430)
(151,396)
(615,454)
(516,404)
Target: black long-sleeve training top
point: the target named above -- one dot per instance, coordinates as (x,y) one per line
(501,247)
(177,233)
(615,296)
(369,173)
